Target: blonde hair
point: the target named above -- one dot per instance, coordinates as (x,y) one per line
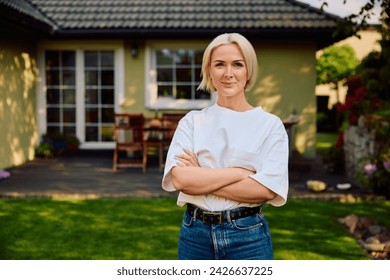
(247,51)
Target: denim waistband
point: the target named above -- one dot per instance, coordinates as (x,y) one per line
(217,217)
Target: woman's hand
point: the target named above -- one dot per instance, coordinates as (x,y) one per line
(233,183)
(187,159)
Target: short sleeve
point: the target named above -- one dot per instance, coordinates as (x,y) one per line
(182,139)
(273,171)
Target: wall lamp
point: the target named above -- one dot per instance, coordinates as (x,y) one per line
(134,50)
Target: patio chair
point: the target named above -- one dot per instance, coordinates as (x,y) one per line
(130,148)
(153,139)
(169,123)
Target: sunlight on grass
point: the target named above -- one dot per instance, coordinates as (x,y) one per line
(324,145)
(325,141)
(283,232)
(297,255)
(148,229)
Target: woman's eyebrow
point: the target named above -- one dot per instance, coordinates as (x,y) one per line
(237,60)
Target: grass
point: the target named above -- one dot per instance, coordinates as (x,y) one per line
(88,229)
(147,229)
(325,140)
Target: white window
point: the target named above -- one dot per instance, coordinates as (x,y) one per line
(79,91)
(173,75)
(99,95)
(60,72)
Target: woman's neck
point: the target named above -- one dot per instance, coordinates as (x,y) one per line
(235,104)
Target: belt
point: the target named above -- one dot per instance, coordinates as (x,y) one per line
(215,217)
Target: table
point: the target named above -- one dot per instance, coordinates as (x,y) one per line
(158,134)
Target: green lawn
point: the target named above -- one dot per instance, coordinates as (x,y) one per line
(138,229)
(325,140)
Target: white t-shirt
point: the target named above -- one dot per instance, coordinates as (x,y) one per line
(221,137)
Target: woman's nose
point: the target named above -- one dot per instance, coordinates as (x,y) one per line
(228,73)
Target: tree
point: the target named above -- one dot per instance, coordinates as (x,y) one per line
(372,89)
(335,65)
(350,25)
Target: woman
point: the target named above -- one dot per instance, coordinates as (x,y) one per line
(227,160)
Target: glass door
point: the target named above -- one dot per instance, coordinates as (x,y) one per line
(80,94)
(99,95)
(60,70)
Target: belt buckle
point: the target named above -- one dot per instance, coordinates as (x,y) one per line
(215,219)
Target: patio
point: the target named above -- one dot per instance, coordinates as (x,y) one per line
(89,174)
(84,174)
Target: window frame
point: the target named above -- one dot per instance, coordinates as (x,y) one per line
(152,100)
(80,47)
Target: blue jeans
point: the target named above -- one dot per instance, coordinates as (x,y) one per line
(242,239)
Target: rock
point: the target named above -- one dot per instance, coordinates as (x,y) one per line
(344,186)
(384,236)
(351,222)
(374,247)
(365,222)
(351,198)
(387,247)
(374,229)
(372,237)
(316,186)
(373,240)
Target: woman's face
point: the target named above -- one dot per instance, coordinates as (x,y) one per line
(228,70)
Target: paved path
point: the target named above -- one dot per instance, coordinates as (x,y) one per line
(85,175)
(88,174)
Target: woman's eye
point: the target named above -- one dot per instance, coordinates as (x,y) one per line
(238,65)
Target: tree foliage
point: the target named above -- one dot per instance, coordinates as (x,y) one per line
(336,64)
(355,22)
(368,97)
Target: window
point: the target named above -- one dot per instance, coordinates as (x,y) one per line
(99,95)
(177,78)
(80,90)
(61,92)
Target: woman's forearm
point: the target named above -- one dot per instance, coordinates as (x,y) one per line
(200,181)
(247,191)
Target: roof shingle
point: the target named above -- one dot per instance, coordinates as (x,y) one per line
(27,9)
(179,18)
(182,14)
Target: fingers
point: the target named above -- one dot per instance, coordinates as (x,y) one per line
(187,159)
(247,171)
(181,164)
(188,152)
(191,155)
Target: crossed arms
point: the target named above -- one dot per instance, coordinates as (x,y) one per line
(232,183)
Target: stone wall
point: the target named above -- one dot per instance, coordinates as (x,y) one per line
(359,143)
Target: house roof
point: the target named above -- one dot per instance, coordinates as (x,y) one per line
(178,18)
(24,14)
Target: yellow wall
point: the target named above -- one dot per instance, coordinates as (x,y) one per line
(285,85)
(134,80)
(18,124)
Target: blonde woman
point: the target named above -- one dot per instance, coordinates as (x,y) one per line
(227,161)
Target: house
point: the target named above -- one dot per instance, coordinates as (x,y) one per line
(67,65)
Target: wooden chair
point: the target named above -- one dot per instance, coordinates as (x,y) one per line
(130,148)
(169,122)
(153,139)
